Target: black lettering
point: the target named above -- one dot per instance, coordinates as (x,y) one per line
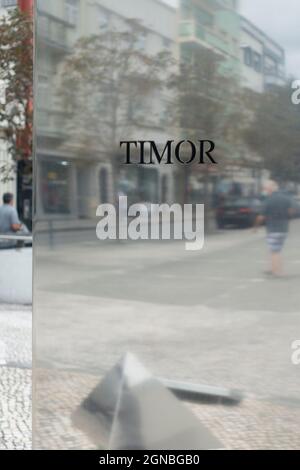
(159,157)
(128,145)
(177,152)
(207,153)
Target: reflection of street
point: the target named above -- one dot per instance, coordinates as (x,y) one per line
(15,378)
(210,317)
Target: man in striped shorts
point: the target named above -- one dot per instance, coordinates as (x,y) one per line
(276,213)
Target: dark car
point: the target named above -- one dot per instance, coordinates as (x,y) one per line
(296,207)
(238,212)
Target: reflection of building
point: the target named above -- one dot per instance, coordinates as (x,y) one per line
(74,182)
(211,24)
(263,65)
(250,56)
(263,60)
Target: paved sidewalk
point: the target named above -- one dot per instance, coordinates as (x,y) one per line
(254,424)
(16,276)
(15,377)
(211,317)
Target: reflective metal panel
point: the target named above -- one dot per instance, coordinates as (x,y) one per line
(173,103)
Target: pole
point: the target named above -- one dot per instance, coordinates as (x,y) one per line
(26,6)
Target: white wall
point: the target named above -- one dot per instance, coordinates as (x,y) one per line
(5,158)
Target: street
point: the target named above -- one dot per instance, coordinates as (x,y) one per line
(211,317)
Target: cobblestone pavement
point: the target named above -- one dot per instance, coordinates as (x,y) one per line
(15,378)
(210,317)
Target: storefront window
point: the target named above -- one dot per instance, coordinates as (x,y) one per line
(54,187)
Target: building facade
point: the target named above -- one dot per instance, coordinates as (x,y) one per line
(251,58)
(75,181)
(66,172)
(212,24)
(263,66)
(263,60)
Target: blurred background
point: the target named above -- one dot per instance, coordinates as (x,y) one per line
(108,71)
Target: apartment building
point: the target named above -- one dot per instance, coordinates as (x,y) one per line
(263,66)
(252,58)
(75,182)
(263,60)
(212,24)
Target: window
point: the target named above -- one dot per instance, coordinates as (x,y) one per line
(141,41)
(43,92)
(203,17)
(167,43)
(42,119)
(44,26)
(186,9)
(103,20)
(8,3)
(271,66)
(71,11)
(257,62)
(248,56)
(54,187)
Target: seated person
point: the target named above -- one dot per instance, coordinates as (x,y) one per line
(9,221)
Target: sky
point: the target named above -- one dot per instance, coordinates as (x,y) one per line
(280,19)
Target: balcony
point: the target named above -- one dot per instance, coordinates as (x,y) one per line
(274,79)
(191,30)
(52,32)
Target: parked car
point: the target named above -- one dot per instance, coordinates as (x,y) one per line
(296,207)
(239,212)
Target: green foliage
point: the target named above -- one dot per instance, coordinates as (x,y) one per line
(16,78)
(274,133)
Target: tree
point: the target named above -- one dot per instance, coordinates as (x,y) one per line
(208,104)
(107,86)
(274,133)
(16,79)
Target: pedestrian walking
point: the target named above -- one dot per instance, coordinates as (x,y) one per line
(276,213)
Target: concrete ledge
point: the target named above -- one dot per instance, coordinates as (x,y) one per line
(16,276)
(199,393)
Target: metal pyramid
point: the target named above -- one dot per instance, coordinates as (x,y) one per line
(130,409)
